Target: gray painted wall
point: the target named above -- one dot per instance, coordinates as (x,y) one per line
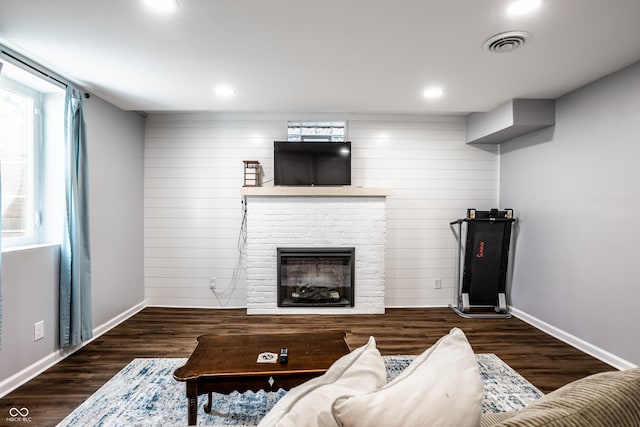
(575,190)
(29,295)
(30,277)
(116,156)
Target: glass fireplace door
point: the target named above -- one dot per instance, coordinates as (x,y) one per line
(317,277)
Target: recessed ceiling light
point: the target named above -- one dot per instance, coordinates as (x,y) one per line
(164,6)
(522,7)
(433,92)
(224,91)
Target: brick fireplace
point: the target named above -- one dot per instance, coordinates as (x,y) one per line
(320,218)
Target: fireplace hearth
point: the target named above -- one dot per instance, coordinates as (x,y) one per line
(315,277)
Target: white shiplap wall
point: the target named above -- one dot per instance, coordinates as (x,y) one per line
(193,209)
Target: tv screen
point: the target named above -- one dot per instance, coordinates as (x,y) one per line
(312,163)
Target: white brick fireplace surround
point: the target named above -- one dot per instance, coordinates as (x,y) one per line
(315,217)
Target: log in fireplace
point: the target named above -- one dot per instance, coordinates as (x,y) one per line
(316,277)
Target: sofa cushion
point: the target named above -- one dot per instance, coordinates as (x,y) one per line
(609,399)
(441,387)
(309,404)
(489,419)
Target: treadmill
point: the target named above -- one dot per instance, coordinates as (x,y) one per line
(483,255)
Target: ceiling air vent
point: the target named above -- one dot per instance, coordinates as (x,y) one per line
(506,42)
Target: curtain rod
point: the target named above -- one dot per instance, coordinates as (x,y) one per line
(23,62)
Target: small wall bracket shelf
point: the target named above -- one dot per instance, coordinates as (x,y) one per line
(251,173)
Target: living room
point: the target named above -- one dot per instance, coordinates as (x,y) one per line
(166,214)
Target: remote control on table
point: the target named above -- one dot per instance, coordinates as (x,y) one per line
(284,355)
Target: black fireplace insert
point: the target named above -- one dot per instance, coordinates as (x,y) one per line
(316,277)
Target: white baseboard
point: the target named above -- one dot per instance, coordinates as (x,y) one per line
(417,306)
(107,326)
(195,306)
(580,344)
(28,373)
(35,369)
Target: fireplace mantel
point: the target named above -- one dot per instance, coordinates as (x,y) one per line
(346,191)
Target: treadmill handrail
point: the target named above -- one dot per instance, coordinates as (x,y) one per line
(461,220)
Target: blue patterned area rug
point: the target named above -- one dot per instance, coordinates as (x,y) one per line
(144,394)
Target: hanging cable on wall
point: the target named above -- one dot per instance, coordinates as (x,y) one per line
(224,296)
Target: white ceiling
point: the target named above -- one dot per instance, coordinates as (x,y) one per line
(357,56)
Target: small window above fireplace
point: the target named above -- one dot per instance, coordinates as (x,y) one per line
(316,277)
(335,131)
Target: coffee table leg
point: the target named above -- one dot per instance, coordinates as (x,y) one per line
(207,406)
(192,396)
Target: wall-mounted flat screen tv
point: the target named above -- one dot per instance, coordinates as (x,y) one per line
(312,163)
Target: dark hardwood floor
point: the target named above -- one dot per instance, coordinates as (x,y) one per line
(163,332)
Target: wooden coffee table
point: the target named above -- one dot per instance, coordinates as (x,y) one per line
(227,363)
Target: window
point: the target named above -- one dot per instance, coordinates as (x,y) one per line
(22,97)
(317,131)
(19,107)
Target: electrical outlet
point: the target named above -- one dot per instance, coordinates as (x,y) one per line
(212,283)
(38,330)
(437,283)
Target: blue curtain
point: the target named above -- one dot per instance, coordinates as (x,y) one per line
(75,258)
